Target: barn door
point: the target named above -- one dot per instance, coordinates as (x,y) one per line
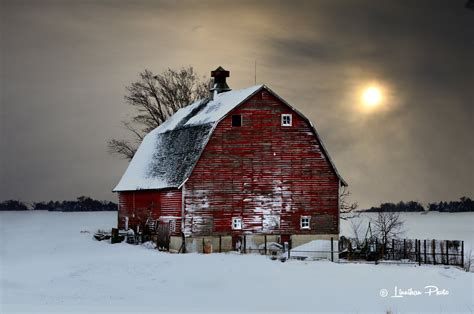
(163,236)
(285,240)
(236,243)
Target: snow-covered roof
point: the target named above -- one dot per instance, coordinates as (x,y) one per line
(168,154)
(204,111)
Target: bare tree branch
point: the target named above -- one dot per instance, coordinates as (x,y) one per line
(121,148)
(387,226)
(356,227)
(345,207)
(139,135)
(156,98)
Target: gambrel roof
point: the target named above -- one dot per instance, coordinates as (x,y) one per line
(168,154)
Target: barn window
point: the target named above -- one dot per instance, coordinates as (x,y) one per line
(304,222)
(236,223)
(236,120)
(286,120)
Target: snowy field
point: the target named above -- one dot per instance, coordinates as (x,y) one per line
(49,266)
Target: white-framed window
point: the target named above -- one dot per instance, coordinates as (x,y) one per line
(286,120)
(305,222)
(236,223)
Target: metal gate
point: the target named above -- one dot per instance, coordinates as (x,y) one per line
(163,236)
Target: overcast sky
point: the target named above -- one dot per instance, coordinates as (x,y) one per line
(65,65)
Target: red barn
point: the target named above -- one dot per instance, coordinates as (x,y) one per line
(241,162)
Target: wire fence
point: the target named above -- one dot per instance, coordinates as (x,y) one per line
(432,251)
(317,249)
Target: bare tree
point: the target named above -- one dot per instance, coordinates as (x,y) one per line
(387,226)
(356,227)
(155,98)
(346,207)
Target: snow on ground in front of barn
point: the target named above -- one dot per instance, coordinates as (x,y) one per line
(47,265)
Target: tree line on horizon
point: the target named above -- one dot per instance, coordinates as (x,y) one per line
(87,204)
(465,204)
(81,204)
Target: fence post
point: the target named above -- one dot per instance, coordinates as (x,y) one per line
(350,250)
(404,248)
(332,250)
(289,247)
(183,243)
(416,250)
(442,252)
(245,244)
(203,245)
(393,249)
(419,252)
(433,250)
(114,236)
(462,253)
(424,248)
(376,250)
(447,252)
(220,244)
(265,244)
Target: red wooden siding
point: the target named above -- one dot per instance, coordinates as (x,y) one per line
(159,204)
(268,174)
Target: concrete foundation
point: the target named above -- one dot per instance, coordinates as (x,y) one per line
(254,243)
(175,243)
(216,243)
(300,239)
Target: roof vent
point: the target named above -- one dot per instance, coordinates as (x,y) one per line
(219,85)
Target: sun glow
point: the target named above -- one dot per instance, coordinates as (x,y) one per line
(372,96)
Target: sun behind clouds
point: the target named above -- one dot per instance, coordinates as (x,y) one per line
(372,97)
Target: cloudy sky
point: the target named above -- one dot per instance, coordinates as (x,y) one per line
(65,65)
